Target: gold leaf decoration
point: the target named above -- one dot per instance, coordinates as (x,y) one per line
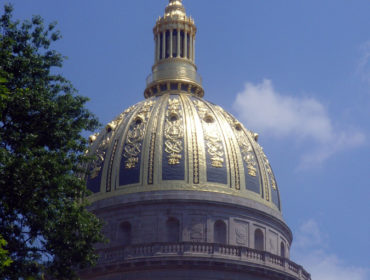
(136,135)
(174,132)
(211,135)
(269,171)
(97,163)
(244,144)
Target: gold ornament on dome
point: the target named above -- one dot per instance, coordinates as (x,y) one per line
(135,136)
(265,177)
(196,158)
(152,148)
(151,158)
(174,132)
(248,156)
(119,119)
(269,172)
(236,165)
(268,175)
(110,128)
(211,135)
(245,146)
(97,163)
(214,146)
(92,139)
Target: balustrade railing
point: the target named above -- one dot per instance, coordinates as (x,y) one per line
(201,249)
(306,275)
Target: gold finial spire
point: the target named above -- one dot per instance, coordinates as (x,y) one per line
(174,60)
(175,8)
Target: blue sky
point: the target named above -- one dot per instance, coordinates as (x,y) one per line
(296,72)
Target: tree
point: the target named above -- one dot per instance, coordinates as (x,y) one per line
(43,217)
(5,260)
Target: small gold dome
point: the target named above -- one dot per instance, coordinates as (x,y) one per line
(175,9)
(178,141)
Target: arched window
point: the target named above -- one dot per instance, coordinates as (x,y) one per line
(258,240)
(172,230)
(282,249)
(219,232)
(125,233)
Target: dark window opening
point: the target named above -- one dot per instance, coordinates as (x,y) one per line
(174,43)
(188,46)
(163,87)
(184,87)
(161,46)
(219,233)
(125,233)
(174,86)
(168,44)
(258,240)
(172,230)
(182,43)
(282,249)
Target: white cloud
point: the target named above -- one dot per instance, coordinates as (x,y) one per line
(309,235)
(323,266)
(308,251)
(265,110)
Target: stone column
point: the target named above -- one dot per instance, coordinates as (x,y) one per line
(178,42)
(164,45)
(185,44)
(158,45)
(191,47)
(193,52)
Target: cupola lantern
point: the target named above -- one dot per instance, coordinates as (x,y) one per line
(174,64)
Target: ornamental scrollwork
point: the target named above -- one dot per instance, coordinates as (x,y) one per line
(97,163)
(215,150)
(110,129)
(266,163)
(269,172)
(244,144)
(135,135)
(211,135)
(174,132)
(248,156)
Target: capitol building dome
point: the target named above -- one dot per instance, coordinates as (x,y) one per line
(184,189)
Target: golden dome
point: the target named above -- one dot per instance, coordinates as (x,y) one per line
(175,140)
(178,141)
(175,9)
(180,181)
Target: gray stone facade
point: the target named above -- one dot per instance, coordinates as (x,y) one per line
(150,232)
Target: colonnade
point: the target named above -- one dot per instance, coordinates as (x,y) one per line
(174,43)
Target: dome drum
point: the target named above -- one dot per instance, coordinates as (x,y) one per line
(175,68)
(180,226)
